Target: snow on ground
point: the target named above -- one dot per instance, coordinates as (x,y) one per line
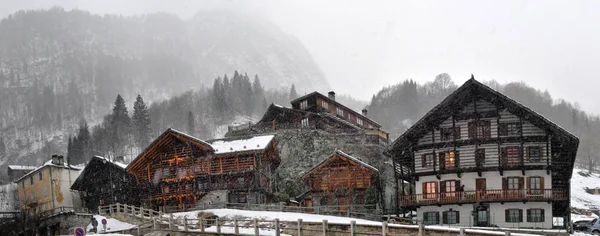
(579,197)
(220,131)
(112,225)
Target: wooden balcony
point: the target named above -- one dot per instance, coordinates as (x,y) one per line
(484,196)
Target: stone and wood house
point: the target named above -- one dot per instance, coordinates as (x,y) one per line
(480,158)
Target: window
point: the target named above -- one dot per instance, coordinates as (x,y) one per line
(431,218)
(166,189)
(340,111)
(430,190)
(359,121)
(23,184)
(513,183)
(243,198)
(535,185)
(449,133)
(535,215)
(480,157)
(510,155)
(324,104)
(166,172)
(448,160)
(31,180)
(449,188)
(304,104)
(40,176)
(305,122)
(513,215)
(509,129)
(45,191)
(534,154)
(450,217)
(427,160)
(479,129)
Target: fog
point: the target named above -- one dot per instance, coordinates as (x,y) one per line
(365,45)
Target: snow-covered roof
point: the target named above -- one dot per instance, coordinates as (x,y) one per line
(19,167)
(119,164)
(255,143)
(357,160)
(48,164)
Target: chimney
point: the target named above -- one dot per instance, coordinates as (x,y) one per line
(58,160)
(332,95)
(364,112)
(120,159)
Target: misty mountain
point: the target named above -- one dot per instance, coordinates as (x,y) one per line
(399,106)
(58,68)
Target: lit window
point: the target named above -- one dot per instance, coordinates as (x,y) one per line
(450,160)
(359,121)
(430,189)
(305,122)
(304,104)
(535,215)
(514,215)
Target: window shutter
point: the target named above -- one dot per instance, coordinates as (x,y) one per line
(458,217)
(521,183)
(445,217)
(528,153)
(543,217)
(528,185)
(424,188)
(504,184)
(442,186)
(458,187)
(423,160)
(542,184)
(506,216)
(442,161)
(456,158)
(528,215)
(437,217)
(520,215)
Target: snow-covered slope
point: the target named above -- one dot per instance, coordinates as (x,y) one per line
(579,197)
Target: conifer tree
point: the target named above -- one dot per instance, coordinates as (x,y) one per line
(119,125)
(84,144)
(141,122)
(293,94)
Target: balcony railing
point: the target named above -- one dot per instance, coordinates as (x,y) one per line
(484,196)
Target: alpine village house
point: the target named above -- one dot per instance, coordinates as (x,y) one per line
(480,158)
(178,171)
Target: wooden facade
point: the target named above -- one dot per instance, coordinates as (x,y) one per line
(340,180)
(479,146)
(177,170)
(95,181)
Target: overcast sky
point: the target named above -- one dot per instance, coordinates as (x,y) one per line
(365,45)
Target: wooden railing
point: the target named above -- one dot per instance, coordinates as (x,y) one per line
(484,196)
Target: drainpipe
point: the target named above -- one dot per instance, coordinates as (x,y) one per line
(51,187)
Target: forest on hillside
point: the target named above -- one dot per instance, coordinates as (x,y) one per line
(399,106)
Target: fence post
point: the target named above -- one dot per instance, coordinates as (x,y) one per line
(141,211)
(171,221)
(138,230)
(218,226)
(153,222)
(185,223)
(352,228)
(160,214)
(118,207)
(281,206)
(100,210)
(236,229)
(462,232)
(299,227)
(277,233)
(256,232)
(348,212)
(324,227)
(384,227)
(421,229)
(201,224)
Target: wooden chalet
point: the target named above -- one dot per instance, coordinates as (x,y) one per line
(178,170)
(316,111)
(104,182)
(340,181)
(479,153)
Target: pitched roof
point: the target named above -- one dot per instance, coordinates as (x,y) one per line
(457,99)
(19,167)
(48,164)
(241,144)
(315,93)
(345,155)
(77,184)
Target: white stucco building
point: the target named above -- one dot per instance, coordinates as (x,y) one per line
(481,159)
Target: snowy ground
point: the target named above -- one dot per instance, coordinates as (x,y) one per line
(579,197)
(112,225)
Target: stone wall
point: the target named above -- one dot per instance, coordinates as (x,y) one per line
(214,197)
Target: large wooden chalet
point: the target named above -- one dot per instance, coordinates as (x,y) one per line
(340,181)
(177,170)
(317,111)
(104,181)
(480,158)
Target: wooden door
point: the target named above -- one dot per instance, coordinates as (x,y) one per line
(308,203)
(480,185)
(342,203)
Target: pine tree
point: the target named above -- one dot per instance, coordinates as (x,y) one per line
(293,94)
(70,149)
(119,125)
(84,144)
(371,196)
(141,122)
(191,126)
(217,97)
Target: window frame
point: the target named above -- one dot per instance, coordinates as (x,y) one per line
(431,218)
(535,185)
(535,215)
(304,104)
(451,160)
(40,176)
(431,190)
(304,122)
(427,160)
(533,149)
(509,129)
(324,104)
(31,180)
(359,121)
(451,217)
(339,111)
(512,182)
(510,159)
(514,215)
(480,129)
